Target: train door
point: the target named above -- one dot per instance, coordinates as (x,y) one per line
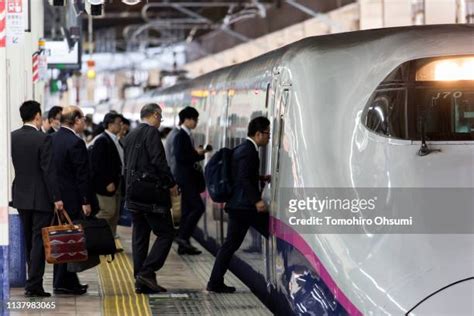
(217,137)
(276,109)
(225,143)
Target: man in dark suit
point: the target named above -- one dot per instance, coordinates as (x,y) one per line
(169,144)
(35,191)
(106,158)
(245,207)
(54,118)
(72,164)
(188,175)
(150,160)
(45,126)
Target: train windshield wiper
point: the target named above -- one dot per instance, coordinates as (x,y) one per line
(424,149)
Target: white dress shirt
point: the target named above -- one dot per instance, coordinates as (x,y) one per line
(28,124)
(253,142)
(188,131)
(67,127)
(118,146)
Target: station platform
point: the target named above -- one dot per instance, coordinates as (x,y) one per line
(111,289)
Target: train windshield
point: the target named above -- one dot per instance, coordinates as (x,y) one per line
(430,96)
(446,69)
(446,112)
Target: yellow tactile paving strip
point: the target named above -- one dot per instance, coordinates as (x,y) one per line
(118,288)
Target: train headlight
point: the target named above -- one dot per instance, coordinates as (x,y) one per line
(449,69)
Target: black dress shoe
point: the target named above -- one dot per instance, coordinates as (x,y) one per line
(83,286)
(148,283)
(37,293)
(222,288)
(181,241)
(188,250)
(81,289)
(142,289)
(252,250)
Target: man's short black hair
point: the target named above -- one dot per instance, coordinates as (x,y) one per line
(149,109)
(188,113)
(54,111)
(125,121)
(258,124)
(29,109)
(110,118)
(164,132)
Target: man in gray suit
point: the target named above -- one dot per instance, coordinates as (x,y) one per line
(35,190)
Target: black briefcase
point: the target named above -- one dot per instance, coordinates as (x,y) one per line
(146,189)
(92,261)
(99,237)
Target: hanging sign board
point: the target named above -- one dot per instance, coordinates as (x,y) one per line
(15,26)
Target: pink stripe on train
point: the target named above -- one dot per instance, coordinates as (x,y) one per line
(288,234)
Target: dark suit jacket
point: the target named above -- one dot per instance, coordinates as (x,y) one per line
(105,163)
(185,157)
(152,160)
(245,178)
(73,170)
(51,130)
(169,149)
(35,186)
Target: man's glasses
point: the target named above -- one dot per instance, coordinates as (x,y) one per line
(159,116)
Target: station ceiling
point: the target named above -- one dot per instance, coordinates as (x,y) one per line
(153,23)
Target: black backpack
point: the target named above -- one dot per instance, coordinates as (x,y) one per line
(218,175)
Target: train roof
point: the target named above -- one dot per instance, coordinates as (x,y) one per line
(322,43)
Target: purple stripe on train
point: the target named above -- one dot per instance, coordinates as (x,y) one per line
(289,235)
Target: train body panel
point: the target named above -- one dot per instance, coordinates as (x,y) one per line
(315,93)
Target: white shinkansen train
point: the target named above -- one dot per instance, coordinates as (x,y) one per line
(345,112)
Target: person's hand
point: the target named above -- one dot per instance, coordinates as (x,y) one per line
(87,209)
(59,205)
(267,178)
(174,190)
(111,187)
(208,148)
(201,151)
(261,207)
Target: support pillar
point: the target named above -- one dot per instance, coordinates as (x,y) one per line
(16,77)
(4,163)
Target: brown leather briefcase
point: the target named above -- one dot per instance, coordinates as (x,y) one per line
(64,242)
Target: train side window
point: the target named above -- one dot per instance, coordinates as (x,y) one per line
(386,113)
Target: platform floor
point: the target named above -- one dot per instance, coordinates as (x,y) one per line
(111,290)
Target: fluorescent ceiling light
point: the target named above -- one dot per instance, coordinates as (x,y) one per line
(131,2)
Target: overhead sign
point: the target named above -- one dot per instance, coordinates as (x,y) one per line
(15,27)
(59,55)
